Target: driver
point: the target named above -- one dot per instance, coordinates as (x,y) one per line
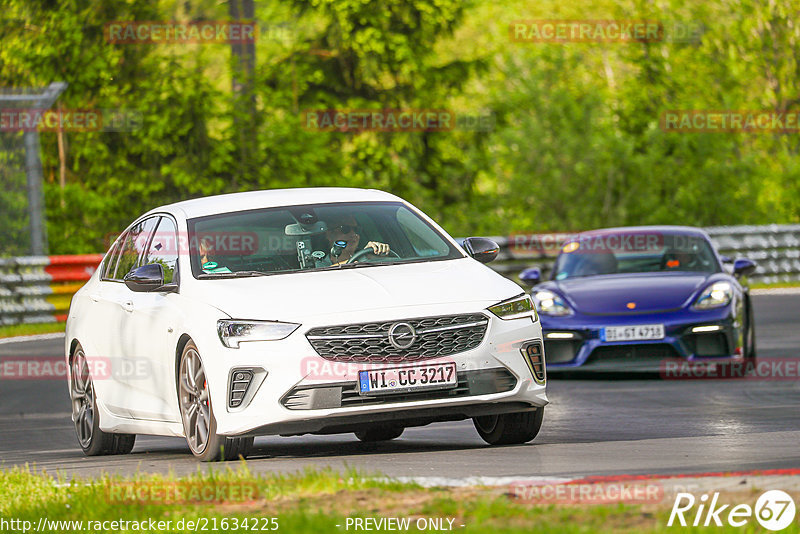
(346,229)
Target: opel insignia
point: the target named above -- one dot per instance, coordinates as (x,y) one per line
(298,311)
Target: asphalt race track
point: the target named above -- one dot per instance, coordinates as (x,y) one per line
(594,426)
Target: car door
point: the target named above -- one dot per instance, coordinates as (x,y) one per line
(153,334)
(110,314)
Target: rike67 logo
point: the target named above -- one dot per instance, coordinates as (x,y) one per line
(774,510)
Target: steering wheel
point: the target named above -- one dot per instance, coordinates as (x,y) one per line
(363,252)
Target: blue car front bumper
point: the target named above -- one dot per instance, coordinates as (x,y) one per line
(577,341)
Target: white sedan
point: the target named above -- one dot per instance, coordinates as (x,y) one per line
(298,311)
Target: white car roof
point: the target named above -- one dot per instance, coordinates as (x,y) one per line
(200,207)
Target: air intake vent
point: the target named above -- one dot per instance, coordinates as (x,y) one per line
(345,394)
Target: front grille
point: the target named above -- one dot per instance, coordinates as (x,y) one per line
(345,394)
(369,342)
(627,353)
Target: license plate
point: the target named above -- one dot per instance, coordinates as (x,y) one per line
(403,379)
(632,333)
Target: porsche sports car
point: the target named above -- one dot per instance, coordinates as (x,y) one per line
(298,311)
(632,298)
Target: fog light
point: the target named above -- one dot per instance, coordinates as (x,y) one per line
(706,329)
(560,335)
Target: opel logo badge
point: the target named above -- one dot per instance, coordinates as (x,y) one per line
(402,335)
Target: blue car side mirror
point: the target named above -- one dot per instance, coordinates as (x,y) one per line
(531,276)
(743,267)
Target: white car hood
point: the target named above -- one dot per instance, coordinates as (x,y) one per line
(297,297)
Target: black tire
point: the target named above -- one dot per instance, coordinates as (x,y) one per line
(85,416)
(214,447)
(749,335)
(382,433)
(510,428)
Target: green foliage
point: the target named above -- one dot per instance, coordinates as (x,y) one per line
(577,141)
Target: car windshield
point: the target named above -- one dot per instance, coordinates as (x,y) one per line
(635,252)
(312,237)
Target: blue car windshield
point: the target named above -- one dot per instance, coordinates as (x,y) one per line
(638,252)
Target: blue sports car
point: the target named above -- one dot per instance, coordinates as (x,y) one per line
(633,298)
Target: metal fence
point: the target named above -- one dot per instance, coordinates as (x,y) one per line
(39,289)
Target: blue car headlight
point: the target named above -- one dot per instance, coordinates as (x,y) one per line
(548,303)
(716,295)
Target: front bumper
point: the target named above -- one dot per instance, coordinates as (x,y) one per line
(586,349)
(293,390)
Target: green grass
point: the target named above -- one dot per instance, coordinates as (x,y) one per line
(775,285)
(317,501)
(30,329)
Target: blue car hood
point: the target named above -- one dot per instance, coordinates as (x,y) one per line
(611,294)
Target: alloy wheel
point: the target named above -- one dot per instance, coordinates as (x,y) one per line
(82,393)
(195,408)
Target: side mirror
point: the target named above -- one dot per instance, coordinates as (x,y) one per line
(145,278)
(482,249)
(531,276)
(743,267)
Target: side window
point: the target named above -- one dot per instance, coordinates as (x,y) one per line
(111,261)
(133,246)
(164,248)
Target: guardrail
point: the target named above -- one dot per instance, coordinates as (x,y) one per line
(37,289)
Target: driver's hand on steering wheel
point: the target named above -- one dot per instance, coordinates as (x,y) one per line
(379,249)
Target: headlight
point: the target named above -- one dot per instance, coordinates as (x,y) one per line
(513,309)
(232,332)
(716,295)
(549,303)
